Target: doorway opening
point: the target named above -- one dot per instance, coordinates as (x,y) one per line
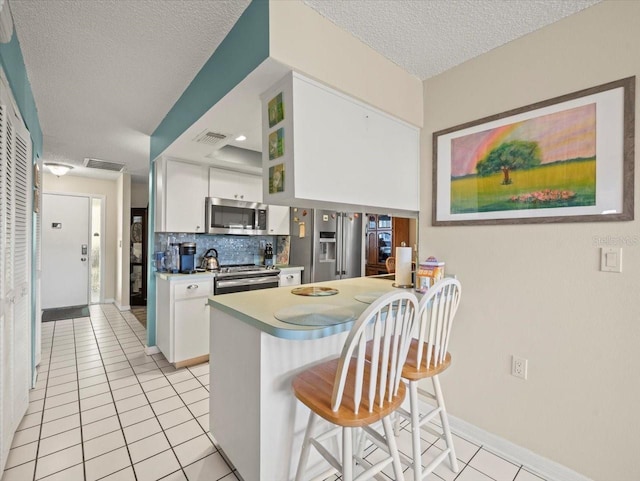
(97,221)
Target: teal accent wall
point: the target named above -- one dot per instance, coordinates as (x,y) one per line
(244,48)
(16,72)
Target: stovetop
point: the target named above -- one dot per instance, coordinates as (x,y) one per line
(247,269)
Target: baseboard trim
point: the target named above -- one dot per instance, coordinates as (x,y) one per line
(121,307)
(108,301)
(546,468)
(149,350)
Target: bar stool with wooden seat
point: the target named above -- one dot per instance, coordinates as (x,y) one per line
(390,264)
(428,357)
(355,390)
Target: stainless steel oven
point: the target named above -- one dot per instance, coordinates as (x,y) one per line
(244,278)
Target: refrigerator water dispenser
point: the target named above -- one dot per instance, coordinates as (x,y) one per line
(327,247)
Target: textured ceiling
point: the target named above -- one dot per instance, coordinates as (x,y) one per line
(104,73)
(427,37)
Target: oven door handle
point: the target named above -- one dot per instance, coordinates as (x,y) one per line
(247,281)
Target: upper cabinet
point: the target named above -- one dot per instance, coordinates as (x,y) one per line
(181,189)
(227,184)
(322,147)
(278,220)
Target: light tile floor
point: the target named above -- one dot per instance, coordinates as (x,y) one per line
(103,409)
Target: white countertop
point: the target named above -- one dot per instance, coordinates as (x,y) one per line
(257,308)
(283,267)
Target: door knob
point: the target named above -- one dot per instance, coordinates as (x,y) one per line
(83,259)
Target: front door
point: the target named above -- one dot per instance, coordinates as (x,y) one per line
(65,250)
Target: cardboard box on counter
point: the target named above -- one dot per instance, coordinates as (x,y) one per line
(429,272)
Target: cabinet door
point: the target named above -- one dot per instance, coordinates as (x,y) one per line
(164,322)
(385,246)
(191,328)
(278,220)
(400,232)
(186,190)
(226,184)
(372,247)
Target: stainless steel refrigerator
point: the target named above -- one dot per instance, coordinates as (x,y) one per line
(328,244)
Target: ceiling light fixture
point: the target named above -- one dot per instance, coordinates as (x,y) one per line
(241,138)
(58,169)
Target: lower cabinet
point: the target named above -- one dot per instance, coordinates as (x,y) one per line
(290,276)
(182,317)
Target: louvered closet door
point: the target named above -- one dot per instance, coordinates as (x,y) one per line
(6,281)
(22,268)
(15,241)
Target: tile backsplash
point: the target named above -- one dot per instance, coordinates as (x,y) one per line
(232,249)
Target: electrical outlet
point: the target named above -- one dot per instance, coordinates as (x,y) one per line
(519,367)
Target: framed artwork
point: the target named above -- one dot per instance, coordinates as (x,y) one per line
(276,179)
(276,110)
(276,143)
(567,159)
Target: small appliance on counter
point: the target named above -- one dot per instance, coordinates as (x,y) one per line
(188,257)
(172,258)
(268,255)
(210,260)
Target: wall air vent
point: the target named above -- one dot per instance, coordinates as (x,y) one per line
(214,139)
(103,165)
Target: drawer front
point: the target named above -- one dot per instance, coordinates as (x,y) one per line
(290,279)
(197,288)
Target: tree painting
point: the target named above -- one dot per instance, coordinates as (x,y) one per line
(544,162)
(517,154)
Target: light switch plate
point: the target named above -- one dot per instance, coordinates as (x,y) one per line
(611,259)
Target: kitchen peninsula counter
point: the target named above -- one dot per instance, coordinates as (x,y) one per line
(254,416)
(257,308)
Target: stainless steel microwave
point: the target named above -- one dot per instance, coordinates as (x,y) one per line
(226,216)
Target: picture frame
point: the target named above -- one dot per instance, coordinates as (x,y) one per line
(36,200)
(566,159)
(36,176)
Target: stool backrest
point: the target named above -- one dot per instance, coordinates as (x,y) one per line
(437,310)
(390,264)
(378,344)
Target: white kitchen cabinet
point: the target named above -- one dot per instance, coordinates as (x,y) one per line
(227,184)
(181,189)
(327,139)
(278,220)
(182,317)
(290,276)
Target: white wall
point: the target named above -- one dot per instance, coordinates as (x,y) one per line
(108,188)
(302,38)
(123,253)
(535,290)
(139,195)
